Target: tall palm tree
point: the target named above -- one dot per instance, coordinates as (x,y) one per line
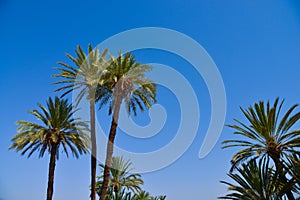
(120,177)
(255,182)
(58,129)
(266,135)
(126,80)
(85,76)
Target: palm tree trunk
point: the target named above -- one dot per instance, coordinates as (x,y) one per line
(110,148)
(94,150)
(279,170)
(51,171)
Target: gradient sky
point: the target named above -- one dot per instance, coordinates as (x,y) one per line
(255,44)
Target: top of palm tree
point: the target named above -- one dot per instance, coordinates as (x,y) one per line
(121,176)
(256,181)
(57,127)
(142,195)
(125,79)
(85,75)
(266,133)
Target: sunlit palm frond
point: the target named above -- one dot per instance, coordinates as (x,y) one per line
(125,79)
(57,127)
(86,74)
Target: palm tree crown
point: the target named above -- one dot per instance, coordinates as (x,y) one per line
(121,177)
(255,181)
(85,76)
(59,128)
(125,79)
(143,195)
(266,134)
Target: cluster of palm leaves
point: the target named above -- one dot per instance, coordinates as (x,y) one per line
(267,167)
(124,185)
(100,79)
(142,195)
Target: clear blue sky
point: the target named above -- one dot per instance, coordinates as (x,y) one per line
(255,44)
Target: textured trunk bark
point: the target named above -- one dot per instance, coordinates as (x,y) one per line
(94,150)
(51,172)
(110,148)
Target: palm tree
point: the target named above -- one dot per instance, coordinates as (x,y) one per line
(84,77)
(125,195)
(120,178)
(143,195)
(266,135)
(162,197)
(255,182)
(58,130)
(126,80)
(120,195)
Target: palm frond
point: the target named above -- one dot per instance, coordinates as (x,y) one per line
(58,127)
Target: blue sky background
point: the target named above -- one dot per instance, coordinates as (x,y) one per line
(255,44)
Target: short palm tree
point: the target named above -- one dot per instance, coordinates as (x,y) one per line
(120,195)
(127,195)
(143,195)
(162,197)
(266,135)
(255,182)
(120,178)
(85,77)
(58,129)
(126,80)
